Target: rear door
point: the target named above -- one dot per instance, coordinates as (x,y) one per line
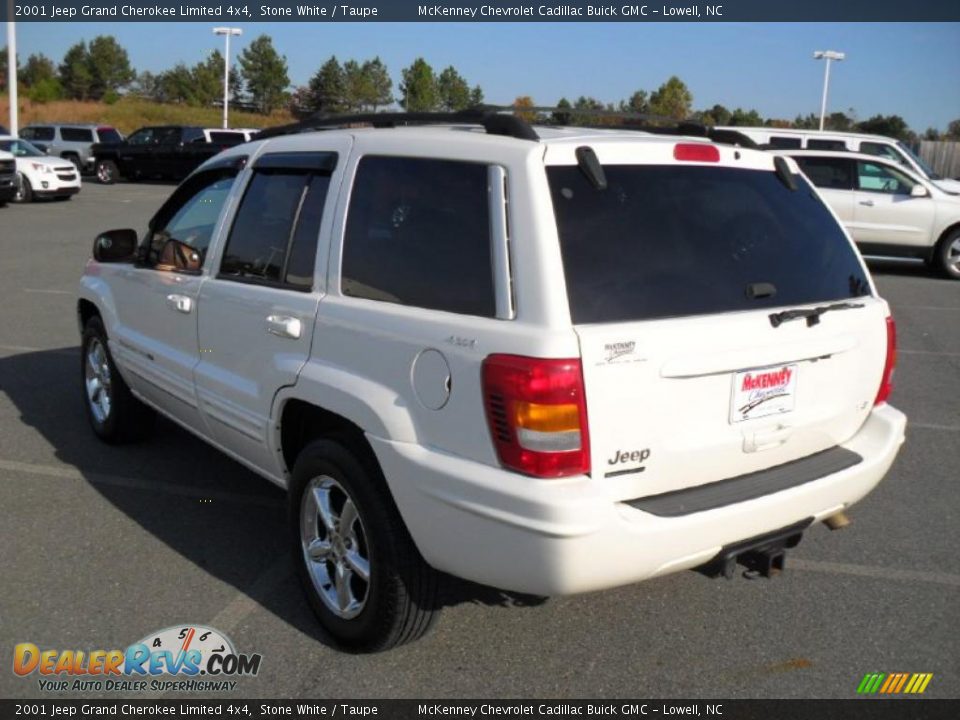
(886,213)
(673,273)
(257,313)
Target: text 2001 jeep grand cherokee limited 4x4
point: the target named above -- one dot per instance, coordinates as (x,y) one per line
(549,360)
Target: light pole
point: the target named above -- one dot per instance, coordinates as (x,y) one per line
(12,70)
(226,32)
(827,55)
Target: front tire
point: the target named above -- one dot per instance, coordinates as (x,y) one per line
(947,255)
(24,189)
(106,172)
(115,415)
(364,578)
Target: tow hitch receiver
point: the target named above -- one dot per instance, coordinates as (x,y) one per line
(761,555)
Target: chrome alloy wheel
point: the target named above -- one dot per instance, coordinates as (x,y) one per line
(96,373)
(334,546)
(953,253)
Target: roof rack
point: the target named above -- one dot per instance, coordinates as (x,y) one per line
(490,118)
(507,120)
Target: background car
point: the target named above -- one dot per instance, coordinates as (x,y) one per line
(71,141)
(8,176)
(887,209)
(38,175)
(228,137)
(788,139)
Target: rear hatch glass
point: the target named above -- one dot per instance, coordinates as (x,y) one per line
(672,273)
(675,240)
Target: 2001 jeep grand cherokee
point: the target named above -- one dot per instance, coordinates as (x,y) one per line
(550,360)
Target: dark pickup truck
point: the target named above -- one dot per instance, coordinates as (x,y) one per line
(164,151)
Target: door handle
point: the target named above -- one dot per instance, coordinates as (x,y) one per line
(180,303)
(284,326)
(868,203)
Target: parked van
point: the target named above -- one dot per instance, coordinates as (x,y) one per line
(773,138)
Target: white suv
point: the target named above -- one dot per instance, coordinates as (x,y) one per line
(39,175)
(548,360)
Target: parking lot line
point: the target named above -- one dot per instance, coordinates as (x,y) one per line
(933,426)
(64,472)
(16,349)
(871,571)
(49,292)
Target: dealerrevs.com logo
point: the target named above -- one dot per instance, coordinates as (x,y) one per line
(187,658)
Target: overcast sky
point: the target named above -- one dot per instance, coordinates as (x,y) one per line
(908,69)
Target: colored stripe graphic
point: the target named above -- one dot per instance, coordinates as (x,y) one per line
(894,683)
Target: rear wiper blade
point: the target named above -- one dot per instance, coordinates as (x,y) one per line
(812,315)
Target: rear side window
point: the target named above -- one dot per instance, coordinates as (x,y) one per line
(108,135)
(418,233)
(68,134)
(788,143)
(37,133)
(672,240)
(826,145)
(830,173)
(274,236)
(226,138)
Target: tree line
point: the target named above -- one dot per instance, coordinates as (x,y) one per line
(100,70)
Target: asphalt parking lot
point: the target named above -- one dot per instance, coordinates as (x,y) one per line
(101,545)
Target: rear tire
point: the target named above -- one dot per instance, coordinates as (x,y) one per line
(115,415)
(947,255)
(344,525)
(106,171)
(75,159)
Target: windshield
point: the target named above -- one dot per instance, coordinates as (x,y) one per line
(676,240)
(927,170)
(20,148)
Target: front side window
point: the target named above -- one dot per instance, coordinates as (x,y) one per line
(274,237)
(881,150)
(418,234)
(874,177)
(144,136)
(181,232)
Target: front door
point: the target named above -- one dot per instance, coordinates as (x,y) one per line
(885,211)
(155,335)
(257,311)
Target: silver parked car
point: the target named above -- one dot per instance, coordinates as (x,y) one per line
(887,209)
(71,141)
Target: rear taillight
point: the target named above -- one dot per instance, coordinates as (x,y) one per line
(537,413)
(886,382)
(696,152)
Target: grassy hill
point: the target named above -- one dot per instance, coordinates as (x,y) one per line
(128,114)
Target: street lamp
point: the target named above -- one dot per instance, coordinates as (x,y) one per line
(226,32)
(12,70)
(827,55)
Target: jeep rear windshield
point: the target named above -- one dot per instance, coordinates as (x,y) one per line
(671,240)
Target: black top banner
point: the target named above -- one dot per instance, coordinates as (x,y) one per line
(488,11)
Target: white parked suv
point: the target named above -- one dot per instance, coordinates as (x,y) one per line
(887,209)
(39,175)
(550,360)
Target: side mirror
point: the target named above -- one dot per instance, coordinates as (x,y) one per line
(919,191)
(115,246)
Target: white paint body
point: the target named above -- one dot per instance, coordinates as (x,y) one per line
(467,515)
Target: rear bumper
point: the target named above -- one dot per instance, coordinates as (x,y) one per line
(554,537)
